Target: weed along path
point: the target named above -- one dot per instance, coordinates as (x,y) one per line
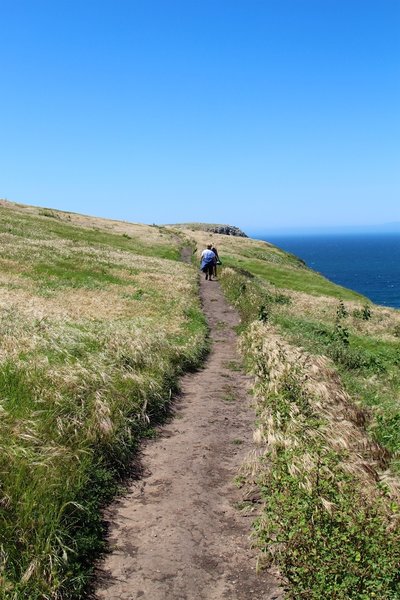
(178,533)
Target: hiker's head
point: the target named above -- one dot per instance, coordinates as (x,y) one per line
(209,246)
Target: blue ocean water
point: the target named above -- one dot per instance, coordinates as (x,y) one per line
(366,263)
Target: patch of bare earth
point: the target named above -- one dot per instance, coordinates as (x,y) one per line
(178,532)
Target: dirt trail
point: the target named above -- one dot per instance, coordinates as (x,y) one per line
(176,534)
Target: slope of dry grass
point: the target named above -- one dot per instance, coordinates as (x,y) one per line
(96,324)
(327,393)
(330,518)
(97,320)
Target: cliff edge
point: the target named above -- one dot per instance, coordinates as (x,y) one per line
(212,228)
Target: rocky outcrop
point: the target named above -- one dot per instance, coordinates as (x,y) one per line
(226,230)
(213,228)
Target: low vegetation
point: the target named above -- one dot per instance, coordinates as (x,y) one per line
(99,318)
(97,321)
(327,396)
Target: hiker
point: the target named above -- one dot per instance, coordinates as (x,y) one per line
(217,260)
(208,260)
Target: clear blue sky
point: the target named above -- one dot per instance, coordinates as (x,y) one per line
(252,112)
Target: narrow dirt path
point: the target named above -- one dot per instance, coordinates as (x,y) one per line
(177,534)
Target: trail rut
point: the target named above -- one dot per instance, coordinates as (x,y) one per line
(177,533)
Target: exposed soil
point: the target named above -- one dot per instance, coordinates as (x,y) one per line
(178,533)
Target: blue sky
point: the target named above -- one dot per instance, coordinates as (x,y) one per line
(263,114)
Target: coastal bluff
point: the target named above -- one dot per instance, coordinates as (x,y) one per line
(212,228)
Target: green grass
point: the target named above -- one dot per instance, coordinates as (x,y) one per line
(61,457)
(369,365)
(67,273)
(237,442)
(291,275)
(41,227)
(63,448)
(369,369)
(94,339)
(328,538)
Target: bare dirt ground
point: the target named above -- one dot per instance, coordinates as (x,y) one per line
(178,534)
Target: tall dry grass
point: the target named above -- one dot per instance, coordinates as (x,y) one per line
(330,517)
(94,335)
(329,512)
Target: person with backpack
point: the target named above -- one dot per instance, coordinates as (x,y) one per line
(207,262)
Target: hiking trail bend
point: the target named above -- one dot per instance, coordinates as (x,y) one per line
(177,533)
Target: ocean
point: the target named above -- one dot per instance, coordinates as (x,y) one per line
(366,263)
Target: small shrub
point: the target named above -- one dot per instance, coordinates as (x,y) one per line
(282,299)
(356,358)
(49,213)
(278,298)
(341,334)
(263,313)
(364,313)
(341,311)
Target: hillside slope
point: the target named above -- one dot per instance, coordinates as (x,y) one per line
(97,321)
(326,368)
(99,318)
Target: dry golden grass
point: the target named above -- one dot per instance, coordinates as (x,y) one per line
(147,233)
(328,497)
(228,245)
(382,324)
(343,430)
(154,276)
(93,334)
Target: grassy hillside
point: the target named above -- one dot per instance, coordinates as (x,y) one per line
(272,265)
(97,320)
(361,339)
(327,390)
